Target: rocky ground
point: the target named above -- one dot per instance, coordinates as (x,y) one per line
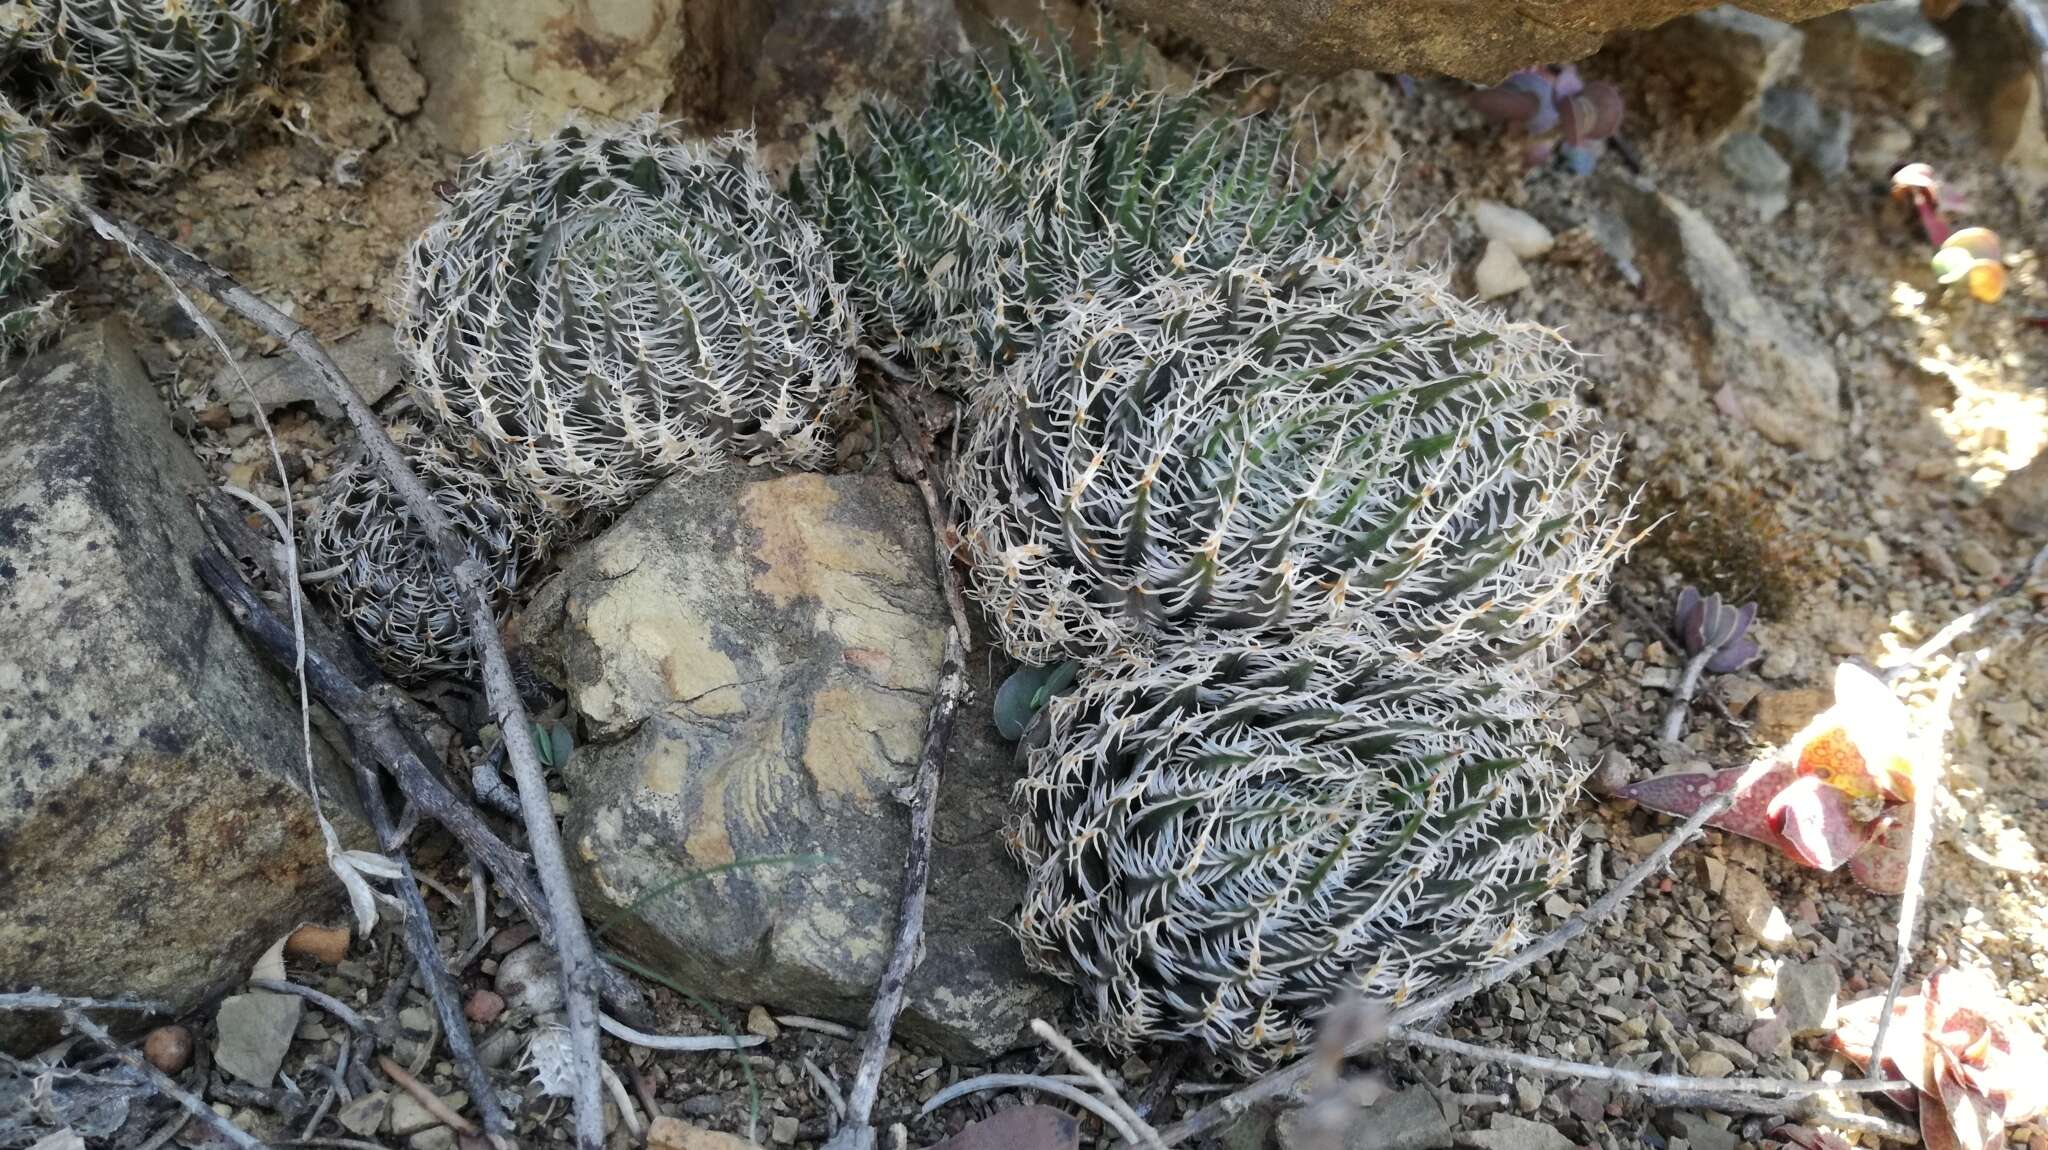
(1811,422)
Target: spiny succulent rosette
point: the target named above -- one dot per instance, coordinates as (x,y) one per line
(1282,446)
(602,307)
(381,576)
(32,225)
(149,64)
(1024,182)
(1227,837)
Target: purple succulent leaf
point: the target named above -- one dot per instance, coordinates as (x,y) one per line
(1688,602)
(1734,657)
(1537,152)
(1565,81)
(1743,618)
(1580,158)
(1506,105)
(1593,114)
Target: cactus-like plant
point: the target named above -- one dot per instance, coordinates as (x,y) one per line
(604,306)
(381,575)
(1027,181)
(31,226)
(151,64)
(1225,838)
(1278,447)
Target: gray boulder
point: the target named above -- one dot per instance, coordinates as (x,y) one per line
(753,659)
(154,836)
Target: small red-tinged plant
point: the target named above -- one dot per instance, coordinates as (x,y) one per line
(1969,256)
(1814,803)
(1917,185)
(1558,112)
(1966,1060)
(1972,256)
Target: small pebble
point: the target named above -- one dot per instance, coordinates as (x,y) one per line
(511,938)
(760,1022)
(783,1129)
(1499,273)
(168,1048)
(323,944)
(1978,558)
(483,1007)
(1523,234)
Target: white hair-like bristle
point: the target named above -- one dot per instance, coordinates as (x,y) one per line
(605,306)
(1225,837)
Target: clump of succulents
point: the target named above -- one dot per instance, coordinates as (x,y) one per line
(1025,182)
(381,575)
(1226,837)
(32,226)
(601,307)
(1558,113)
(149,64)
(1305,442)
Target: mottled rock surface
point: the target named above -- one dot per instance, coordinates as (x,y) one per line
(489,67)
(153,834)
(1478,40)
(753,659)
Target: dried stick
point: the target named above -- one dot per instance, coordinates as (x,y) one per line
(1688,686)
(677,1043)
(1147,1137)
(1285,1080)
(37,1000)
(572,939)
(342,1012)
(163,1082)
(914,464)
(1807,1109)
(1962,624)
(1043,1085)
(856,1133)
(1636,1080)
(418,934)
(1916,861)
(428,1100)
(367,708)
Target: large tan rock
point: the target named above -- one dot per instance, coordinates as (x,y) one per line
(1478,40)
(153,834)
(490,66)
(753,659)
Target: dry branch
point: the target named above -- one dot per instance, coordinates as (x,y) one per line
(914,465)
(37,1000)
(428,1100)
(572,939)
(163,1082)
(418,934)
(369,710)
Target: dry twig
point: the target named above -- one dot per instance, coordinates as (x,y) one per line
(428,1100)
(369,710)
(163,1082)
(37,1000)
(858,1133)
(1043,1085)
(342,1012)
(572,939)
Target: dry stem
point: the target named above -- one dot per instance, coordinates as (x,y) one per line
(163,1082)
(572,939)
(428,1100)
